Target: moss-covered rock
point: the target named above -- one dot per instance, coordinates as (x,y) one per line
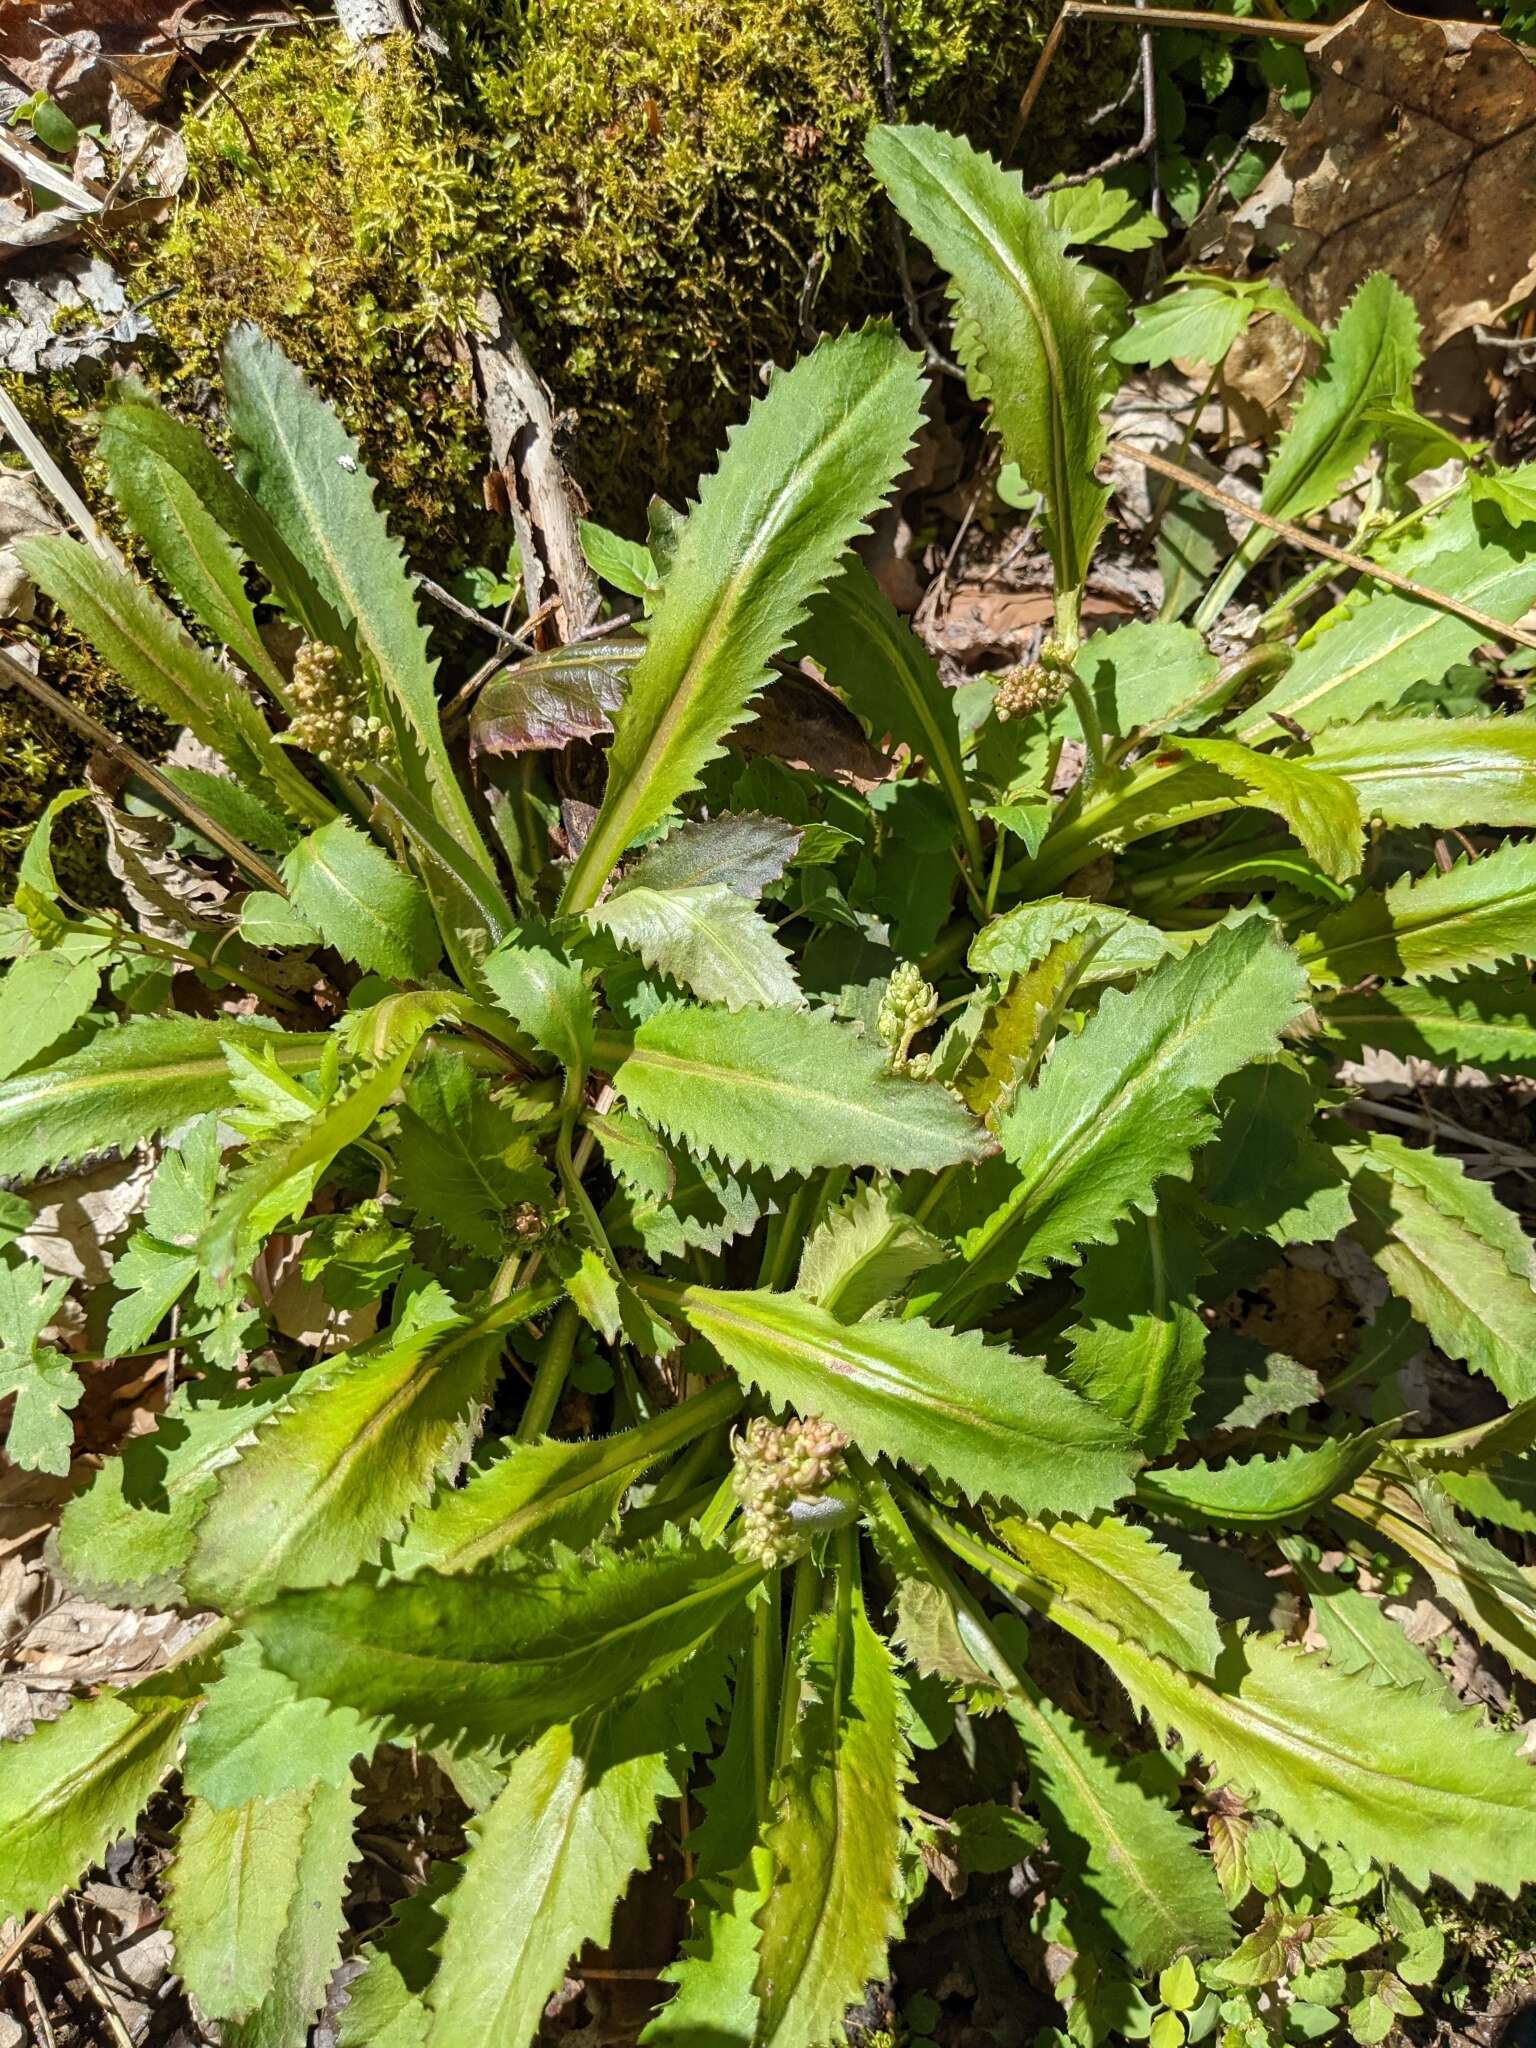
(666,197)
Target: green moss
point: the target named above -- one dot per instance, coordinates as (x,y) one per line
(666,193)
(326,202)
(674,180)
(656,192)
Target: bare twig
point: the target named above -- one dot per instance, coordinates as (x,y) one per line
(53,479)
(1515,1158)
(1159,17)
(28,1933)
(1146,76)
(45,2034)
(14,676)
(543,506)
(98,1993)
(467,612)
(1496,629)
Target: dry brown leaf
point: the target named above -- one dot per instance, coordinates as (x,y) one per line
(1417,156)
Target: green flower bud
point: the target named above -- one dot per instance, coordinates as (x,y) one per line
(1023,691)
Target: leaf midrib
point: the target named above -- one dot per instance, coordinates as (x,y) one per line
(728,601)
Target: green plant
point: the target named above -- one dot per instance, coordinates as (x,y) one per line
(876,1163)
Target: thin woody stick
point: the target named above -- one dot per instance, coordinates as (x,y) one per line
(1496,629)
(1151,17)
(14,676)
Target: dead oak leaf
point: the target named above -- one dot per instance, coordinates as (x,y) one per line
(1417,156)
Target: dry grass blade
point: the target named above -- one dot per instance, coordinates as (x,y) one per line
(1496,629)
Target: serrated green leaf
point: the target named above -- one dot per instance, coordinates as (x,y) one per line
(1456,1194)
(717,1968)
(710,940)
(544,994)
(1106,215)
(1375,647)
(72,1786)
(1481,1020)
(1139,1349)
(976,1414)
(785,1090)
(465,1159)
(336,1473)
(310,1945)
(1359,1634)
(303,467)
(1393,1775)
(1247,1491)
(740,850)
(497,1657)
(1022,936)
(255,1739)
(129,1534)
(1194,320)
(1030,332)
(230,1892)
(871,656)
(159,438)
(44,994)
(863,1254)
(137,637)
(1437,771)
(1494,1597)
(1115,1571)
(271,922)
(185,539)
(1117,1842)
(1127,1101)
(549,1859)
(535,1495)
(1458,1285)
(1151,673)
(797,481)
(1321,809)
(1369,357)
(834,1906)
(1476,914)
(279,1181)
(154,1277)
(1505,1496)
(361,903)
(45,1385)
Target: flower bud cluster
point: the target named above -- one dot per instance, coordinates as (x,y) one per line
(332,720)
(1023,691)
(780,1464)
(908,1006)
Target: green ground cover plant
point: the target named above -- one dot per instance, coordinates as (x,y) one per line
(868,1163)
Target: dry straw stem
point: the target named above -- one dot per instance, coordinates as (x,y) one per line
(1496,629)
(14,676)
